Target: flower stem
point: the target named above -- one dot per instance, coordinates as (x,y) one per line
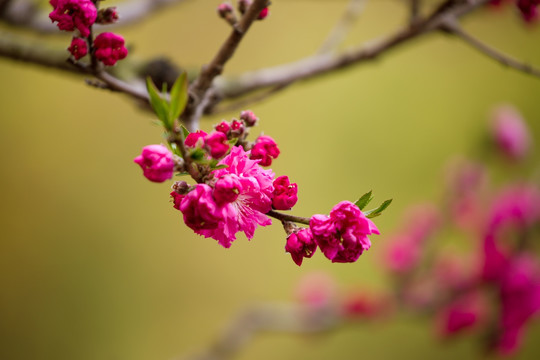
(286,217)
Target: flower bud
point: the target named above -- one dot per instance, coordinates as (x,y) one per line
(510,132)
(216,144)
(265,149)
(249,118)
(263,14)
(300,244)
(107,16)
(237,128)
(157,163)
(285,194)
(78,48)
(109,48)
(195,139)
(223,127)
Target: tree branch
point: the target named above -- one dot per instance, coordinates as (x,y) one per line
(26,13)
(321,64)
(288,318)
(287,217)
(493,53)
(199,87)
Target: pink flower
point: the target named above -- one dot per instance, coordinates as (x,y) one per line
(177,199)
(78,48)
(237,128)
(461,314)
(343,236)
(74,14)
(157,163)
(263,14)
(195,139)
(200,210)
(266,149)
(402,254)
(511,133)
(224,9)
(216,143)
(285,194)
(249,118)
(300,244)
(109,48)
(254,199)
(223,127)
(227,188)
(529,9)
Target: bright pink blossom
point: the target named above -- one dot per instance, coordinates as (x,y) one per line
(265,149)
(254,199)
(223,127)
(195,139)
(177,199)
(157,163)
(511,133)
(227,188)
(343,236)
(300,244)
(285,194)
(216,143)
(78,48)
(74,14)
(109,48)
(263,14)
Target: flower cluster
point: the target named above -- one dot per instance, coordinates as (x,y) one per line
(234,193)
(80,15)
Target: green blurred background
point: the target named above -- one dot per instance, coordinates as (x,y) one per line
(96,264)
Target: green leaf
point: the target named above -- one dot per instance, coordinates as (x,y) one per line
(364,200)
(222,166)
(378,211)
(179,96)
(175,149)
(160,106)
(197,154)
(182,173)
(233,141)
(185,131)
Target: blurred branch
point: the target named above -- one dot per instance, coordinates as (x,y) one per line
(335,37)
(318,65)
(198,90)
(288,318)
(27,14)
(414,11)
(493,53)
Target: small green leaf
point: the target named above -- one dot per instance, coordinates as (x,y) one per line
(378,211)
(233,141)
(160,106)
(182,173)
(175,149)
(179,96)
(197,154)
(364,200)
(184,131)
(222,166)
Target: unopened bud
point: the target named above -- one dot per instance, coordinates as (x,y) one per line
(249,118)
(107,16)
(180,187)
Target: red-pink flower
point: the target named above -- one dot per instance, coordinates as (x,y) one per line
(156,162)
(300,244)
(74,14)
(223,127)
(200,210)
(461,314)
(510,132)
(285,194)
(109,48)
(265,149)
(343,236)
(237,128)
(254,199)
(177,199)
(216,143)
(195,139)
(402,254)
(78,48)
(263,14)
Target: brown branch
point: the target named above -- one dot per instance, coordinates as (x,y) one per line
(492,53)
(414,11)
(318,65)
(200,86)
(26,14)
(287,217)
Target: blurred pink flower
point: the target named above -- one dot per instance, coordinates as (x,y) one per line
(74,14)
(510,132)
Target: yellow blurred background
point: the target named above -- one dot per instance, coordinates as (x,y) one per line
(96,264)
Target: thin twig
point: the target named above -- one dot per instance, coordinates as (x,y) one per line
(493,53)
(287,217)
(26,14)
(414,11)
(199,87)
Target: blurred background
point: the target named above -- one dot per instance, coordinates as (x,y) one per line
(96,264)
